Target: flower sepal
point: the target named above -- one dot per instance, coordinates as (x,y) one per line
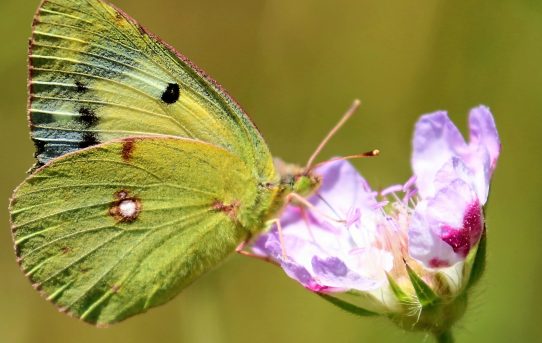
(414,306)
(475,262)
(347,306)
(430,309)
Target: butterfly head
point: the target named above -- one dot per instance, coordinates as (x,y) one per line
(306,183)
(296,179)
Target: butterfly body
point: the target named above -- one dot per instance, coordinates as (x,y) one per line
(148,173)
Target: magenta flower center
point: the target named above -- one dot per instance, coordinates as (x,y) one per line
(462,239)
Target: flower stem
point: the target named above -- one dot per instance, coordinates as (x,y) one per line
(445,337)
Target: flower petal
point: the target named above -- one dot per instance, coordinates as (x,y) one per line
(483,132)
(342,189)
(336,273)
(484,149)
(436,141)
(324,254)
(444,228)
(424,245)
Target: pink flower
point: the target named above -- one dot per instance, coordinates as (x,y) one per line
(452,179)
(357,239)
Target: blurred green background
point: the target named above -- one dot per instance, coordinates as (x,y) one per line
(296,66)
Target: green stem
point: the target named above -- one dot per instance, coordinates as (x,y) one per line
(445,337)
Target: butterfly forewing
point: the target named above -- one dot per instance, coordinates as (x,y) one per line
(112,230)
(97,75)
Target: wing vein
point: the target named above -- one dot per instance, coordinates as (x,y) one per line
(129,66)
(97,66)
(111,104)
(129,251)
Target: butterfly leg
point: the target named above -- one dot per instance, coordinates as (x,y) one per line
(281,237)
(241,251)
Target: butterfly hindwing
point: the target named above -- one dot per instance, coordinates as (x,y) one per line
(112,230)
(97,75)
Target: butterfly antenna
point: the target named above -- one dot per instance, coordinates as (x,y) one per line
(353,108)
(371,153)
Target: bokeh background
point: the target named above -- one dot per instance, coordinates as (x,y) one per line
(296,66)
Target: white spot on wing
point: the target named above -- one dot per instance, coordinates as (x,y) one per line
(128,208)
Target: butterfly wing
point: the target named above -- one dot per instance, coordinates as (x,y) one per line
(97,75)
(112,230)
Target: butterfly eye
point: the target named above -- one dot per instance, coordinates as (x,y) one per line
(171,94)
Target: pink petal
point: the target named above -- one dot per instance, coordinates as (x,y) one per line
(446,227)
(318,249)
(462,239)
(483,132)
(424,245)
(436,140)
(342,188)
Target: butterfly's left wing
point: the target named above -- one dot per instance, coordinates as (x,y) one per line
(112,230)
(97,75)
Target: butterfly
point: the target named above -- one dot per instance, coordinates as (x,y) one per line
(147,175)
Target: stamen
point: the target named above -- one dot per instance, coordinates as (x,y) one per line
(409,195)
(391,189)
(381,204)
(409,183)
(395,197)
(353,216)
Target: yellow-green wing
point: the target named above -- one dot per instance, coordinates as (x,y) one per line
(112,230)
(97,75)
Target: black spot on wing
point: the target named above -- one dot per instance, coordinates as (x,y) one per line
(40,147)
(88,139)
(171,94)
(81,87)
(87,117)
